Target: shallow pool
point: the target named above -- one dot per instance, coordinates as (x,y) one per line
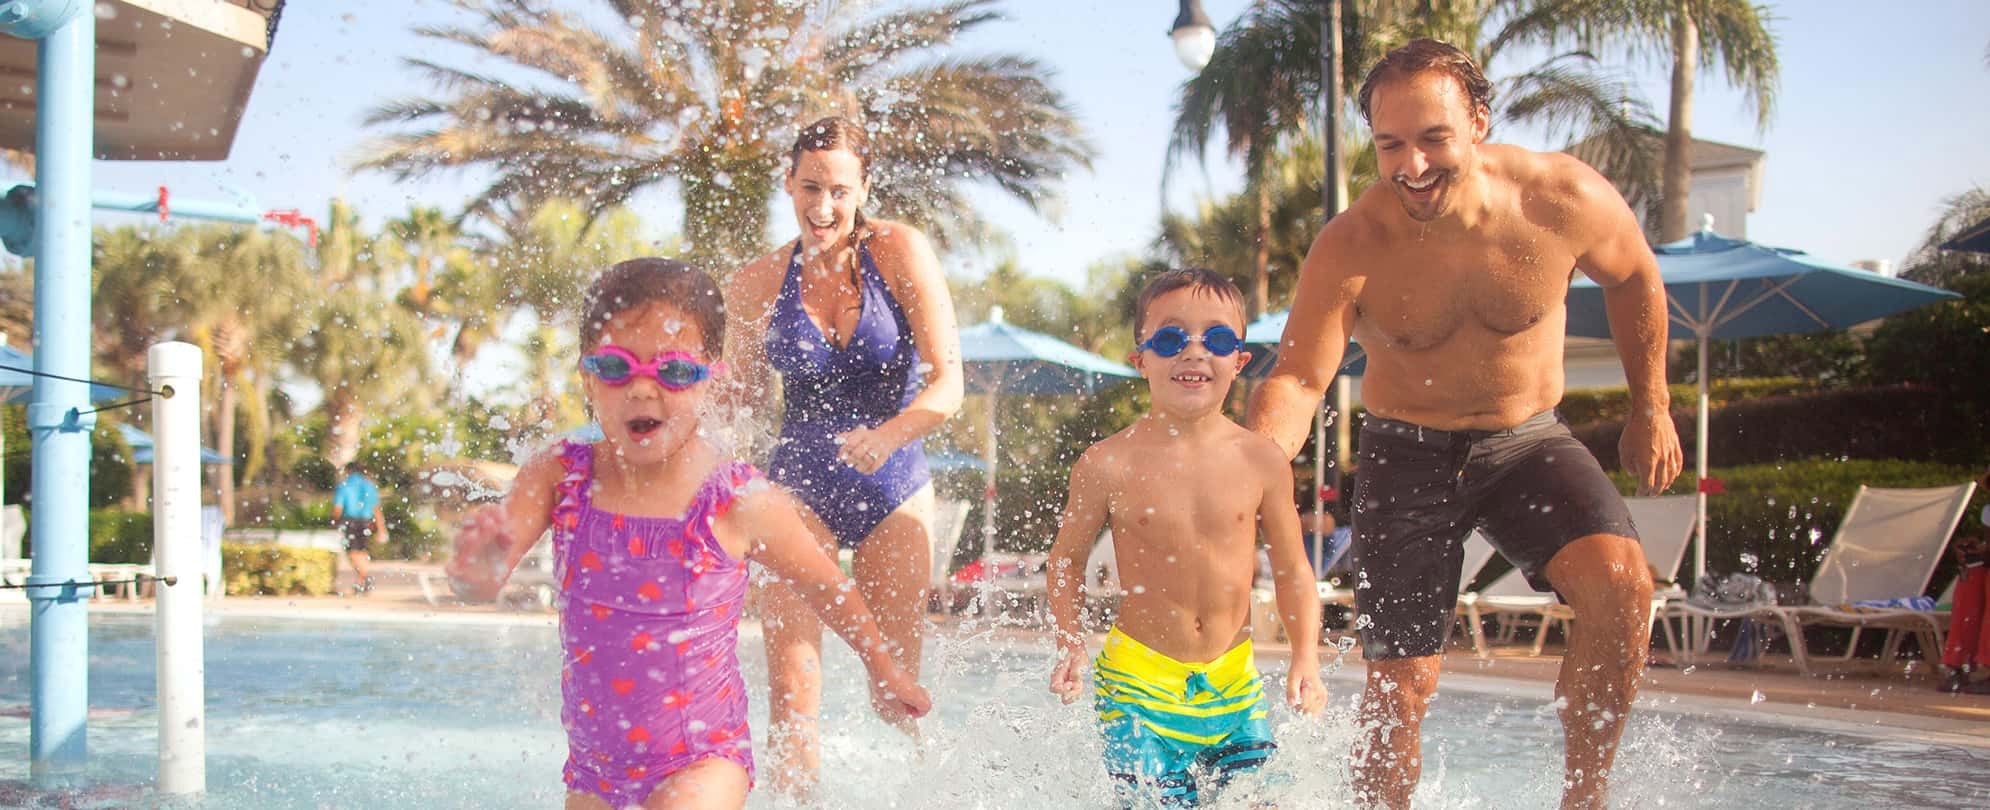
(312,713)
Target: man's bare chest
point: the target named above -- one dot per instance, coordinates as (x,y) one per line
(1416,298)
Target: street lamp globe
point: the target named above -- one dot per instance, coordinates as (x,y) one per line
(1195,38)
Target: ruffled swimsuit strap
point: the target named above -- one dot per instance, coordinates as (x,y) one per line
(715,498)
(574,497)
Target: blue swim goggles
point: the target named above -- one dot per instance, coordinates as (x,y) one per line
(1169,341)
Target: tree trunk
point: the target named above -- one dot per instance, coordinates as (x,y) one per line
(343,417)
(1261,263)
(224,443)
(1677,187)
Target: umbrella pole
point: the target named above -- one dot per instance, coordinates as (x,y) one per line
(988,490)
(1700,469)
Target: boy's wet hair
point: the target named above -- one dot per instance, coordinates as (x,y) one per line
(1197,278)
(1432,55)
(636,282)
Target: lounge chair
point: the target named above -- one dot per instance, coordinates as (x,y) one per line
(1886,547)
(1665,527)
(1265,617)
(949,518)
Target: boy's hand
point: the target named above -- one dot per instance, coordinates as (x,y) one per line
(1067,681)
(896,696)
(1303,688)
(477,554)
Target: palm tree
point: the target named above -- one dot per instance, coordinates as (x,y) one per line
(232,291)
(1732,35)
(711,99)
(360,352)
(1263,87)
(1930,263)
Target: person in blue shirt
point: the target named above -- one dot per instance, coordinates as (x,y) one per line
(356,511)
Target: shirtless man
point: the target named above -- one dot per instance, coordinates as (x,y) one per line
(1452,274)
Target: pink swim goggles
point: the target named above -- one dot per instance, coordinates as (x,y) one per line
(675,371)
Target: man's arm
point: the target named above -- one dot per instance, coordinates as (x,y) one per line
(1315,338)
(1614,254)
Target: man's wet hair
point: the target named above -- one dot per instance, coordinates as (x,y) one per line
(1198,279)
(1429,55)
(637,282)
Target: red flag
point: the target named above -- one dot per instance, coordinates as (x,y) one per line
(1713,486)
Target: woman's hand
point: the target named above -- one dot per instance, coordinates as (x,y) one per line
(867,449)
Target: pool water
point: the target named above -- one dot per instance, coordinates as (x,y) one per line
(314,713)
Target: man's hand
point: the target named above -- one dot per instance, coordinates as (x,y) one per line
(1649,451)
(1067,680)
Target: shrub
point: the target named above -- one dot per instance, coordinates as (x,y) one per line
(261,570)
(1776,520)
(1893,422)
(117,536)
(1597,404)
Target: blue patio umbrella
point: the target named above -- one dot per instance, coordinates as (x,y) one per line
(1000,358)
(141,447)
(17,384)
(1264,335)
(954,461)
(1716,287)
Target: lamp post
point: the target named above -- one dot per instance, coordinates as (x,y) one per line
(1195,43)
(1195,38)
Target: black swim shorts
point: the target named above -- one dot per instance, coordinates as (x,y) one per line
(1531,490)
(358,533)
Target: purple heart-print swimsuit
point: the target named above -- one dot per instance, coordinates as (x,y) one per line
(649,618)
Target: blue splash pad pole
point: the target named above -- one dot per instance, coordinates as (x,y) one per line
(65,100)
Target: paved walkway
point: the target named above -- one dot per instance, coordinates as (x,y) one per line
(1901,703)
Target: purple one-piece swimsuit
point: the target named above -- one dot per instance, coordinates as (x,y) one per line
(649,618)
(831,390)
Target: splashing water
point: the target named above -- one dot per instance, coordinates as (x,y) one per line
(464,711)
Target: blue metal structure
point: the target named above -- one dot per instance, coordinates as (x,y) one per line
(65,93)
(18,212)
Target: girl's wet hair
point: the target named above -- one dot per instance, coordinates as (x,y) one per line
(1435,56)
(834,132)
(637,282)
(1197,278)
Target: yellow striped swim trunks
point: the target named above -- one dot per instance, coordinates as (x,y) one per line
(1172,729)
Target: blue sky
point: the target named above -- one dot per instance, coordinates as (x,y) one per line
(1881,117)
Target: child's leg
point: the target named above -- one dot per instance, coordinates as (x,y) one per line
(708,784)
(1966,620)
(794,678)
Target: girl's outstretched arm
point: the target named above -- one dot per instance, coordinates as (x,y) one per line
(491,541)
(777,538)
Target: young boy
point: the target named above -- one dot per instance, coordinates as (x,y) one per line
(1187,492)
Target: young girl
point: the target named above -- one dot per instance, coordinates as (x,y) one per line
(651,530)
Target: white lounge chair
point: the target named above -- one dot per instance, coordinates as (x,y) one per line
(1886,547)
(1477,553)
(1665,527)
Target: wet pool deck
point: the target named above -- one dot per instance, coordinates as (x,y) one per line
(1850,698)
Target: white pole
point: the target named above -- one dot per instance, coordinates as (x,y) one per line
(988,488)
(1700,467)
(176,368)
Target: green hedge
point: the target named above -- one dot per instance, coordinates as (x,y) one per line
(261,570)
(117,536)
(1592,405)
(1891,422)
(1776,520)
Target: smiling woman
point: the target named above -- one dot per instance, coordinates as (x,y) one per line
(855,316)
